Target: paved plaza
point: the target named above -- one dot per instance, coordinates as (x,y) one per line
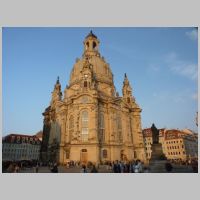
(63,169)
(101,169)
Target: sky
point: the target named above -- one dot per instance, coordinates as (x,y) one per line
(161,65)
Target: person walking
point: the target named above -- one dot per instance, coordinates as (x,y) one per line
(133,166)
(168,166)
(16,169)
(83,170)
(55,168)
(37,168)
(121,167)
(137,167)
(140,166)
(94,170)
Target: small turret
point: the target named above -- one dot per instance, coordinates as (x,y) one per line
(56,94)
(127,90)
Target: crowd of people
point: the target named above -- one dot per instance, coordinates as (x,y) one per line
(135,166)
(117,167)
(18,166)
(127,167)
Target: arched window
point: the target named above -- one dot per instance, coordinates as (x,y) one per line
(102,127)
(101,121)
(84,124)
(85,84)
(105,154)
(87,45)
(119,126)
(71,122)
(94,45)
(71,126)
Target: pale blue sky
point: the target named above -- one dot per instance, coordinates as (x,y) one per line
(161,64)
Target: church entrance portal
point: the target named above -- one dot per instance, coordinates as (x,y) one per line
(123,156)
(84,156)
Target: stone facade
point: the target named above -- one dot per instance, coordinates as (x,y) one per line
(92,122)
(176,144)
(16,147)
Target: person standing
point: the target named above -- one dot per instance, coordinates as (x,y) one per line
(140,166)
(83,170)
(168,166)
(116,167)
(16,169)
(55,168)
(94,170)
(136,167)
(37,168)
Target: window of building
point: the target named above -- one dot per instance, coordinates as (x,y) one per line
(119,126)
(94,45)
(105,154)
(71,125)
(101,126)
(85,84)
(87,45)
(84,132)
(67,154)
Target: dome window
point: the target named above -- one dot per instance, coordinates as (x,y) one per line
(87,45)
(94,45)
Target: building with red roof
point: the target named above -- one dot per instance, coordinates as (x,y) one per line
(17,147)
(176,144)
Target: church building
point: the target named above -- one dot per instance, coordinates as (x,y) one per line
(90,121)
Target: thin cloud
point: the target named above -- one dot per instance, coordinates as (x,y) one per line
(125,52)
(154,67)
(195,96)
(175,97)
(193,34)
(181,67)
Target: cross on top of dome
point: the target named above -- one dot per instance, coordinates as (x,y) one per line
(91,34)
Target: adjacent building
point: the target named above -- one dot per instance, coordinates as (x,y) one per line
(17,147)
(39,135)
(176,144)
(90,121)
